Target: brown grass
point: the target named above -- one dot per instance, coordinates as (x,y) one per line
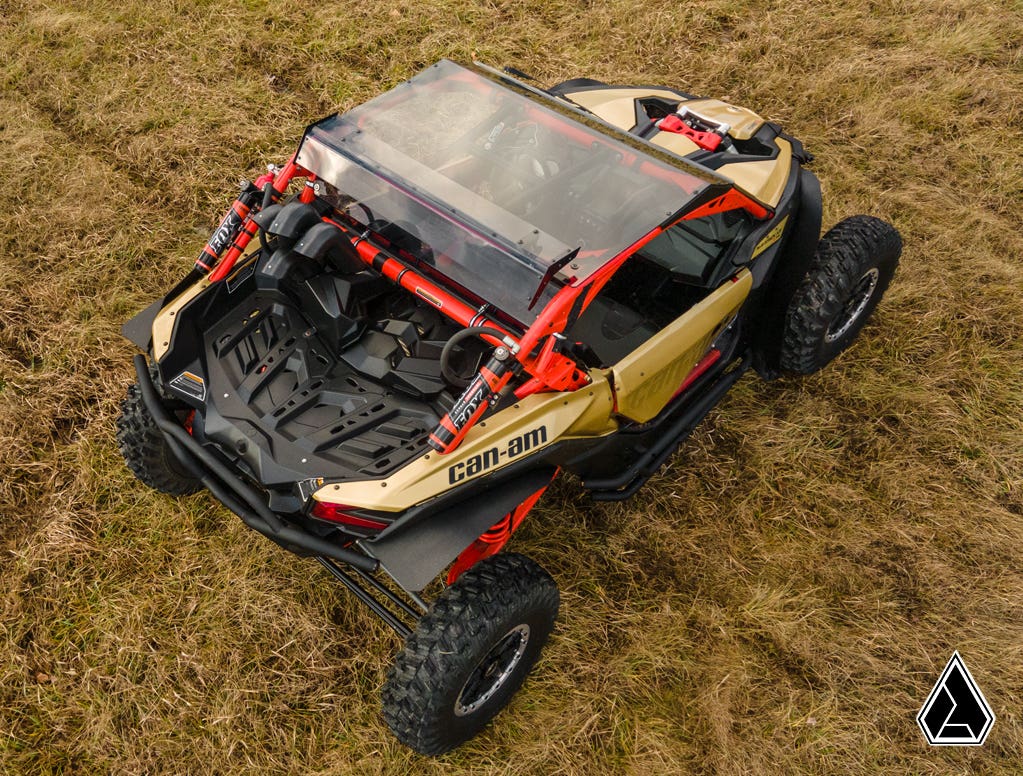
(778,600)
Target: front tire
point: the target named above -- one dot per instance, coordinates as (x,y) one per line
(146,452)
(851,269)
(470,653)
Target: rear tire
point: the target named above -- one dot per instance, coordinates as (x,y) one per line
(851,269)
(470,653)
(146,452)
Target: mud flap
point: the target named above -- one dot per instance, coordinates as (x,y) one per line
(417,554)
(139,329)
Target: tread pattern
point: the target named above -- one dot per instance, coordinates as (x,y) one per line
(463,623)
(145,450)
(848,250)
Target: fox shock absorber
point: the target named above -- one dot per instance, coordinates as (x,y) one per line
(230,229)
(481,394)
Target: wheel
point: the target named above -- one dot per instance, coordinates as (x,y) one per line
(146,451)
(851,269)
(470,653)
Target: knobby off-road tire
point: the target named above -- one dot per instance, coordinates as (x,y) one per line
(851,269)
(146,451)
(470,653)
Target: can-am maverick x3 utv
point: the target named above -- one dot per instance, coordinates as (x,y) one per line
(479,284)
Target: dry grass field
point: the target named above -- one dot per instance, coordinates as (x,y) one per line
(779,599)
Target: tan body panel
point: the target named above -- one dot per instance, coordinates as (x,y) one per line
(765,179)
(582,413)
(744,123)
(163,324)
(648,377)
(617,105)
(674,142)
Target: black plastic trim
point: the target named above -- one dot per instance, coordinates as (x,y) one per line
(231,491)
(767,134)
(790,265)
(139,329)
(632,479)
(596,86)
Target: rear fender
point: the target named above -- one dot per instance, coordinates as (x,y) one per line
(415,552)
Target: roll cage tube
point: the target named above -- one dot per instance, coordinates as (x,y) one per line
(238,227)
(570,302)
(552,370)
(400,273)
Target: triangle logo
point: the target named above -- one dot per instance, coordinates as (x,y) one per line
(956,712)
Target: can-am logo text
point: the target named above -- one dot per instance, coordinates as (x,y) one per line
(488,459)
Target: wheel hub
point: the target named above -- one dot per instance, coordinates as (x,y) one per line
(854,305)
(492,671)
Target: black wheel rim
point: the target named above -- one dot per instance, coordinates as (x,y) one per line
(854,306)
(491,673)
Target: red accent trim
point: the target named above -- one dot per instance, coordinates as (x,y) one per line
(494,538)
(733,199)
(335,513)
(556,371)
(708,141)
(528,388)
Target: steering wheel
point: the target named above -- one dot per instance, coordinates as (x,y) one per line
(520,149)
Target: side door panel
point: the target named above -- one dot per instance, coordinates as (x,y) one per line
(649,376)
